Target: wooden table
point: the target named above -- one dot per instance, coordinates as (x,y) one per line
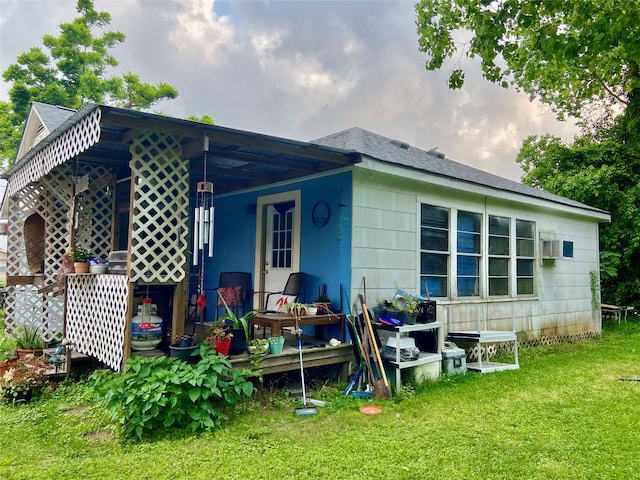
(275,321)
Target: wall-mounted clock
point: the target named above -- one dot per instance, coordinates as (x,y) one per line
(321,214)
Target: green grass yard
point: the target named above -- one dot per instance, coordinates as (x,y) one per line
(564,415)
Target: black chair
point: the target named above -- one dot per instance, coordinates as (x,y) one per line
(234,287)
(293,288)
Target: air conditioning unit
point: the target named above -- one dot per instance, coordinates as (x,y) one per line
(551,249)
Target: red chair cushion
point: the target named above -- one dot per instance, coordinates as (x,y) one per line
(230,295)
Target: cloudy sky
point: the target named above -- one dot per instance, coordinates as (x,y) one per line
(302,70)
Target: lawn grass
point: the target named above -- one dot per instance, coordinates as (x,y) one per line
(564,415)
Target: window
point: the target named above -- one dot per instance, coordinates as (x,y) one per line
(282,239)
(434,251)
(469,253)
(499,228)
(567,249)
(525,256)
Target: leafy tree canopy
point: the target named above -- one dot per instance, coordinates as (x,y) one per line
(71,73)
(604,173)
(567,53)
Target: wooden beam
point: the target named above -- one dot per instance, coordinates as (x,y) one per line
(239,139)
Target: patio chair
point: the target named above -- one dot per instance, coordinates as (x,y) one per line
(234,287)
(290,293)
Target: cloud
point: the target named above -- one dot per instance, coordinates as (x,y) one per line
(201,33)
(302,70)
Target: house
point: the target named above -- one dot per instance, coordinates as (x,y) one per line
(354,210)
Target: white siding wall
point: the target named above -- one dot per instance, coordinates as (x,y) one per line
(386,216)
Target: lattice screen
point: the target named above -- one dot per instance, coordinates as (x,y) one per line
(161,209)
(51,199)
(95,211)
(96,316)
(74,141)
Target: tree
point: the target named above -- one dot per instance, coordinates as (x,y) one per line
(71,73)
(567,53)
(582,59)
(604,173)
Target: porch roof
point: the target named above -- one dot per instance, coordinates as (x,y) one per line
(236,159)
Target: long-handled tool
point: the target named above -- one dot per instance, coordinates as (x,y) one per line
(374,344)
(379,388)
(305,409)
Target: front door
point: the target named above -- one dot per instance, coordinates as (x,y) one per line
(279,238)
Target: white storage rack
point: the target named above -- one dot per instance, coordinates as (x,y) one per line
(424,357)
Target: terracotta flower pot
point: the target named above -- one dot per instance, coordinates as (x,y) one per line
(5,365)
(23,352)
(81,267)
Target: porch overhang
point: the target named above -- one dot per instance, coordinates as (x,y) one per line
(235,160)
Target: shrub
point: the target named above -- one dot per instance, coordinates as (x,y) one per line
(156,393)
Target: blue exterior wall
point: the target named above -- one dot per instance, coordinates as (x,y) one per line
(325,253)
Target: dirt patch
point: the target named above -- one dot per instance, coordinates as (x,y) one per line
(76,411)
(98,436)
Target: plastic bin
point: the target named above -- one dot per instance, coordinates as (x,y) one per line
(454,359)
(426,311)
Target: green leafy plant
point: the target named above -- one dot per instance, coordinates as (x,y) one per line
(7,348)
(233,319)
(322,295)
(25,379)
(29,338)
(218,333)
(81,254)
(295,309)
(157,393)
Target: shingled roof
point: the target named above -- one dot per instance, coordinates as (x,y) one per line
(52,116)
(393,151)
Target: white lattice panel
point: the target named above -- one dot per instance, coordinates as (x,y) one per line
(96,316)
(51,199)
(96,211)
(160,210)
(74,141)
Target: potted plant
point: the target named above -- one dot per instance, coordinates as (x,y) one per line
(183,347)
(81,257)
(403,306)
(220,336)
(322,302)
(29,341)
(258,346)
(240,326)
(295,309)
(276,344)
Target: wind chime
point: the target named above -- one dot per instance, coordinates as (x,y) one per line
(203,226)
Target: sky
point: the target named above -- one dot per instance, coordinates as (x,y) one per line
(302,70)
